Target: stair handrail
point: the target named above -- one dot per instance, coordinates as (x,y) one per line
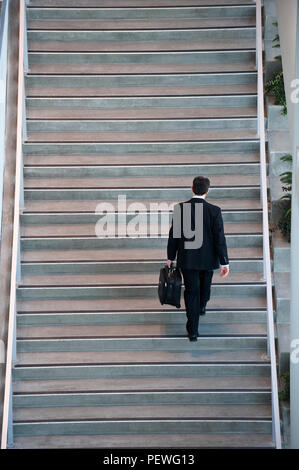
(3,81)
(7,429)
(276,432)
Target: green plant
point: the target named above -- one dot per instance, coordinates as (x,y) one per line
(276,39)
(275,87)
(285,224)
(285,220)
(284,395)
(286,176)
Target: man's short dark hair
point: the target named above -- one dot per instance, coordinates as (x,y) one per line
(201,184)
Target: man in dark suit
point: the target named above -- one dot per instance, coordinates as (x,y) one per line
(197,261)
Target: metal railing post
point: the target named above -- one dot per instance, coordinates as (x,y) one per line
(26,60)
(10,421)
(24,124)
(15,275)
(266,242)
(3,82)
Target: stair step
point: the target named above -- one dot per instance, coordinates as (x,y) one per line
(111,272)
(130,279)
(180,136)
(142,131)
(40,45)
(103,399)
(133,304)
(232,219)
(235,180)
(38,89)
(137,171)
(227,11)
(124,278)
(142,114)
(142,41)
(143,412)
(142,427)
(140,344)
(131,3)
(141,85)
(137,371)
(184,384)
(150,149)
(62,255)
(136,103)
(128,292)
(123,37)
(126,243)
(114,126)
(184,441)
(37,201)
(61,331)
(87,160)
(142,62)
(145,108)
(144,318)
(144,229)
(126,268)
(204,356)
(142,24)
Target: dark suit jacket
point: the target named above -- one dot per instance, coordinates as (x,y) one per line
(213,251)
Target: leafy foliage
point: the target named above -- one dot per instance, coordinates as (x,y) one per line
(275,87)
(285,220)
(284,395)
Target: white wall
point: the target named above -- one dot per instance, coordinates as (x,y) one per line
(286,11)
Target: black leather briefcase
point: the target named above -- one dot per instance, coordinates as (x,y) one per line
(170,285)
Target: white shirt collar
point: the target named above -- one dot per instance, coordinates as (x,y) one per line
(196,195)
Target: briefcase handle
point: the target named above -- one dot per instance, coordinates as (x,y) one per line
(173,267)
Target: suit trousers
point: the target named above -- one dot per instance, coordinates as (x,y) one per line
(196,294)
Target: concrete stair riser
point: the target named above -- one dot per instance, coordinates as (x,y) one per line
(138,36)
(149,148)
(139,371)
(136,318)
(118,427)
(111,344)
(142,398)
(144,330)
(141,126)
(157,195)
(180,441)
(130,83)
(140,103)
(233,241)
(25,293)
(132,3)
(158,58)
(139,171)
(58,219)
(149,13)
(151,267)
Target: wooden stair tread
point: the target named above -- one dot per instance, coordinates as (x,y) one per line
(137,182)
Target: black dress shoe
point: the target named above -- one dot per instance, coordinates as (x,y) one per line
(192,338)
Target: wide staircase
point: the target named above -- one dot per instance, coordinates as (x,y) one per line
(134,98)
